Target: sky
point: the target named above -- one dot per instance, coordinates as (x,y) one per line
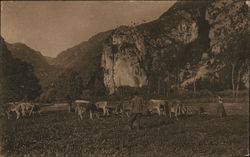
(54,26)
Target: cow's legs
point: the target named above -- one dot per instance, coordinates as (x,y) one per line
(81,118)
(23,111)
(31,110)
(176,113)
(90,114)
(17,114)
(127,115)
(104,111)
(158,110)
(107,111)
(80,114)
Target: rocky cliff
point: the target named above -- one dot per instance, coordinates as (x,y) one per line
(134,53)
(122,59)
(183,35)
(176,49)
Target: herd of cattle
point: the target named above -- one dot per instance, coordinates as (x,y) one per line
(85,107)
(20,108)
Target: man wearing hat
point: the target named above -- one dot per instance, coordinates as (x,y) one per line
(137,109)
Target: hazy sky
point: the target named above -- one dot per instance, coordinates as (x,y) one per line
(51,27)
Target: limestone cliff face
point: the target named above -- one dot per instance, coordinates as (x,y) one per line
(160,50)
(130,54)
(187,31)
(122,58)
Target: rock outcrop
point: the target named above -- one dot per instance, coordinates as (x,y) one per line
(122,59)
(131,54)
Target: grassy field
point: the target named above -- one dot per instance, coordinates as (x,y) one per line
(59,133)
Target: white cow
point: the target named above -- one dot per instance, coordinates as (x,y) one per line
(85,106)
(154,104)
(104,106)
(7,108)
(176,107)
(20,108)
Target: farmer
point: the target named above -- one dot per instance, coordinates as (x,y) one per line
(137,108)
(220,108)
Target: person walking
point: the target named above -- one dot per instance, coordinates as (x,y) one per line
(220,108)
(137,103)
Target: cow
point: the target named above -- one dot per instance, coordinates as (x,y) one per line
(7,108)
(29,107)
(72,106)
(20,108)
(85,106)
(176,107)
(158,105)
(104,106)
(35,109)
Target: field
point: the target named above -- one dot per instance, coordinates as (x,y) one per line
(59,133)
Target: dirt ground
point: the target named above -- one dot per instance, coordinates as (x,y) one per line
(59,133)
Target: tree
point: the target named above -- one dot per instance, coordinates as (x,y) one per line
(235,54)
(96,84)
(67,87)
(17,78)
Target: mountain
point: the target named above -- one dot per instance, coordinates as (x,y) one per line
(17,78)
(149,49)
(179,49)
(33,57)
(84,58)
(50,60)
(160,51)
(42,69)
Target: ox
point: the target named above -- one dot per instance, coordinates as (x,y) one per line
(20,108)
(7,108)
(158,105)
(177,108)
(104,106)
(84,106)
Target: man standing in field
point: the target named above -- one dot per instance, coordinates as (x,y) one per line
(137,108)
(220,108)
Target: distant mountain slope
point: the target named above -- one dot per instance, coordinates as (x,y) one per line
(17,78)
(33,57)
(44,72)
(85,57)
(50,60)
